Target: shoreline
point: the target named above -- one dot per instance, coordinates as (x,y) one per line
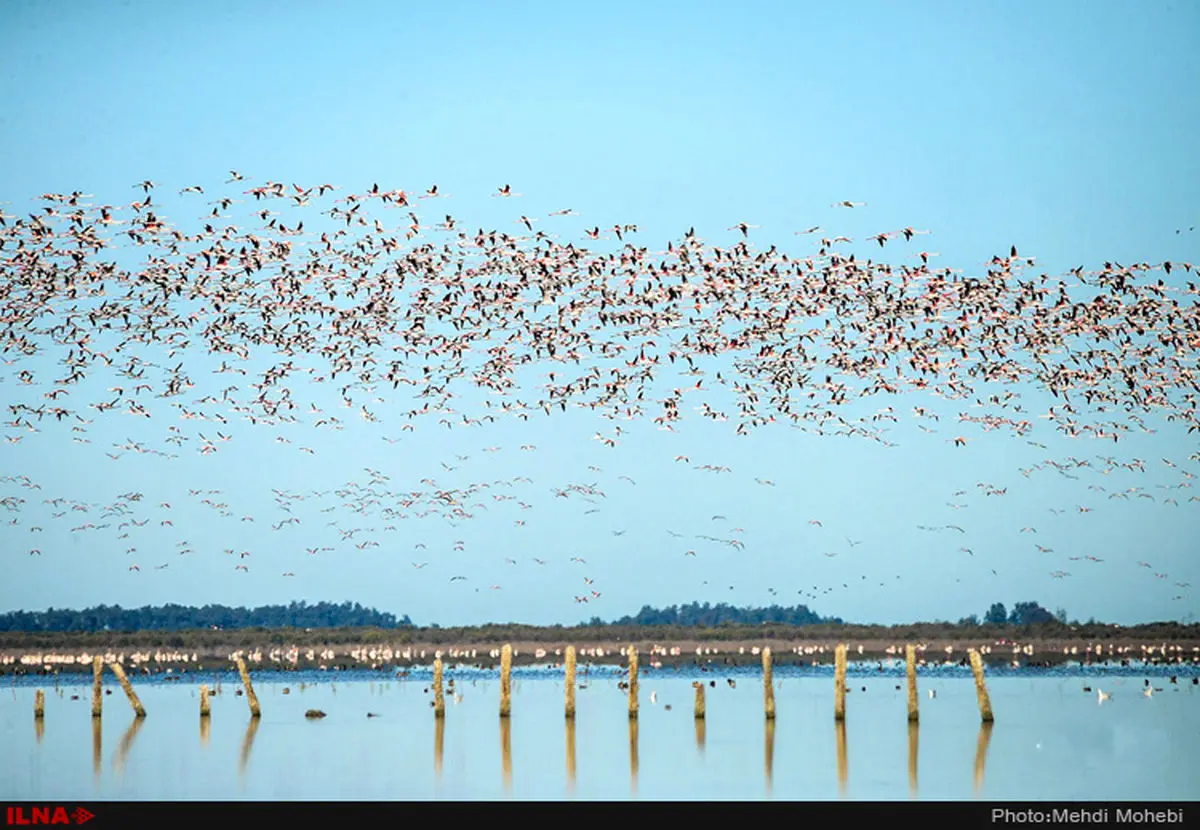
(655,653)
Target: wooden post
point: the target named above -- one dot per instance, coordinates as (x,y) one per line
(39,715)
(571,753)
(97,693)
(439,697)
(910,668)
(981,692)
(205,702)
(251,698)
(506,681)
(138,709)
(839,683)
(570,672)
(633,682)
(700,709)
(768,685)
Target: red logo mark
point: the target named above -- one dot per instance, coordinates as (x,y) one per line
(47,815)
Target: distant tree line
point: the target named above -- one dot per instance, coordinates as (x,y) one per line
(184,617)
(327,615)
(705,615)
(1023,613)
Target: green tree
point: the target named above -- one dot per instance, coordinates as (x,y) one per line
(996,615)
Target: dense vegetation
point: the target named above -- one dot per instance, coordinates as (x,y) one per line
(682,621)
(184,617)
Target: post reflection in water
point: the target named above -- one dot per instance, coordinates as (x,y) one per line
(769,750)
(96,746)
(981,749)
(571,754)
(506,751)
(247,745)
(914,730)
(125,745)
(843,765)
(439,744)
(205,729)
(39,729)
(633,755)
(701,733)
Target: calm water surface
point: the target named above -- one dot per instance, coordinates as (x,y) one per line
(1051,740)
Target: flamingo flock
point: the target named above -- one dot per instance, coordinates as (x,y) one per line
(279,291)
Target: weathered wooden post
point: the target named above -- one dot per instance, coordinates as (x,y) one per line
(251,697)
(768,685)
(700,708)
(97,692)
(39,715)
(633,681)
(439,697)
(205,702)
(981,692)
(506,681)
(839,683)
(138,709)
(570,679)
(910,668)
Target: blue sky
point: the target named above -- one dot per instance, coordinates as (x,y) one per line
(1061,128)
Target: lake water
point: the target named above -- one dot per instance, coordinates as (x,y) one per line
(1051,740)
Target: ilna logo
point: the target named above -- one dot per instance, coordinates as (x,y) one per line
(47,815)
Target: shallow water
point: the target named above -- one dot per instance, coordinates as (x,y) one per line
(1051,740)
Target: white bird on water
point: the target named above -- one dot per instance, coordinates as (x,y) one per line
(1103,695)
(653,697)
